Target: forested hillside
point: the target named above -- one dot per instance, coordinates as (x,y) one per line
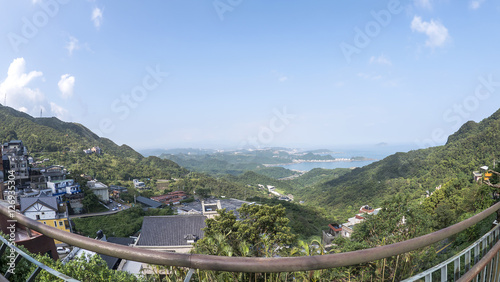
(63,143)
(412,173)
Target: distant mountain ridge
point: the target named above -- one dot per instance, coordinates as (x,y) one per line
(472,146)
(67,140)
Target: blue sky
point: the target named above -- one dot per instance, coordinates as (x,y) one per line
(239,73)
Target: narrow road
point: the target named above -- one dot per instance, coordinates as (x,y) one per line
(123,207)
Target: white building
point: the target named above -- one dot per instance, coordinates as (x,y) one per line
(64,186)
(43,208)
(138,184)
(99,189)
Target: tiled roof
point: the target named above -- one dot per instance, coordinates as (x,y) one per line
(171,230)
(112,262)
(148,202)
(50,202)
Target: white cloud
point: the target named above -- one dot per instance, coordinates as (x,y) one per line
(426,4)
(15,86)
(283,78)
(66,85)
(97,17)
(23,97)
(382,60)
(475,4)
(59,111)
(437,33)
(72,45)
(369,76)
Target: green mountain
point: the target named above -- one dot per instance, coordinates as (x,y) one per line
(472,146)
(63,143)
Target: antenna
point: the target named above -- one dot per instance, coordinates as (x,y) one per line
(40,112)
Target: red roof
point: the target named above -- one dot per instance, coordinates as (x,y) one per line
(359,217)
(334,228)
(366,210)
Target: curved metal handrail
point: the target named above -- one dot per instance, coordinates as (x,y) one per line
(251,264)
(480,266)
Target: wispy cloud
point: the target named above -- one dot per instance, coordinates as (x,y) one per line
(281,77)
(368,76)
(72,45)
(437,33)
(97,17)
(66,85)
(381,60)
(59,112)
(425,4)
(475,4)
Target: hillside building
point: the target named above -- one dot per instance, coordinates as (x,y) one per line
(63,187)
(99,189)
(15,158)
(46,210)
(32,240)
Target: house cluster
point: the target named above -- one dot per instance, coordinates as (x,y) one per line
(43,193)
(175,233)
(172,198)
(482,174)
(94,150)
(346,229)
(47,186)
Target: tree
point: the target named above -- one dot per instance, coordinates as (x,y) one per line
(90,201)
(261,231)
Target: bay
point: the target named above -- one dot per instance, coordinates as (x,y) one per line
(374,153)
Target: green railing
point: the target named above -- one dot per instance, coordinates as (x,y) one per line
(22,255)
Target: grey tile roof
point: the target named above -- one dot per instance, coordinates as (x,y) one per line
(171,230)
(148,202)
(50,202)
(113,262)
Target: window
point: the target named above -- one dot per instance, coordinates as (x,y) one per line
(37,217)
(55,223)
(60,223)
(44,222)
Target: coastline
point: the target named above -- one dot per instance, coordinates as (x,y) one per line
(295,161)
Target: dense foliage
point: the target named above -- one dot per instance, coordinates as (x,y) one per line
(304,221)
(122,224)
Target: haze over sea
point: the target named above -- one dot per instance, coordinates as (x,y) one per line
(374,152)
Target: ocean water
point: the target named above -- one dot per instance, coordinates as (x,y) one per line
(373,152)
